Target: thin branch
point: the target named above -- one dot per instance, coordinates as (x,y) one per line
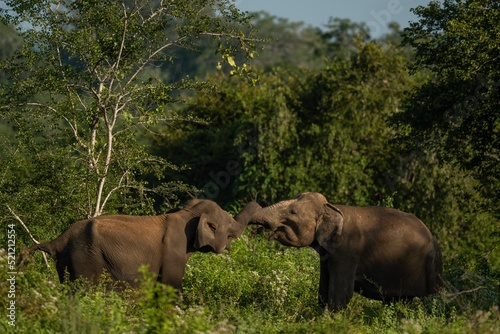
(465,291)
(67,84)
(158,12)
(36,104)
(116,65)
(75,132)
(451,296)
(16,217)
(224,34)
(107,163)
(114,189)
(151,56)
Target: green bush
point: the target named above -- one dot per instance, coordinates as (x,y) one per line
(257,287)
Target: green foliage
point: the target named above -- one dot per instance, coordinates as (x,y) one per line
(259,282)
(258,287)
(297,130)
(290,44)
(157,302)
(9,41)
(341,147)
(86,89)
(456,113)
(342,36)
(81,92)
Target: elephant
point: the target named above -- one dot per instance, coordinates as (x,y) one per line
(381,253)
(244,216)
(120,244)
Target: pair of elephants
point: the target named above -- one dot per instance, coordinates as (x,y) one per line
(381,253)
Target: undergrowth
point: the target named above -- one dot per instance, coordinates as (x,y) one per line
(258,287)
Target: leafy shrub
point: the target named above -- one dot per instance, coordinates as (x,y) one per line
(257,287)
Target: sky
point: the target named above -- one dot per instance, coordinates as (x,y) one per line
(375,13)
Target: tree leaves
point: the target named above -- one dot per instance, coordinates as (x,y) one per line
(456,113)
(91,68)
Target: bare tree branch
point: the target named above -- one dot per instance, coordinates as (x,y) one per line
(119,186)
(16,217)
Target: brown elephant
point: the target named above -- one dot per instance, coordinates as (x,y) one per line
(120,244)
(381,253)
(244,216)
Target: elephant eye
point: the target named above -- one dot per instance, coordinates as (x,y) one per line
(212,227)
(293,211)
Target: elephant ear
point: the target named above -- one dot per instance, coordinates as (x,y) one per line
(205,233)
(329,227)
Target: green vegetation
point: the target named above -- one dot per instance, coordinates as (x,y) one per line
(88,84)
(94,120)
(259,287)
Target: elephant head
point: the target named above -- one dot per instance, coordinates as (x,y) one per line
(216,228)
(301,221)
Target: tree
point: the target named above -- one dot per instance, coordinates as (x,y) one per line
(86,84)
(457,112)
(341,146)
(342,36)
(327,130)
(9,41)
(290,43)
(297,130)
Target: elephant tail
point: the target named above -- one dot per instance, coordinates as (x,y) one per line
(46,247)
(434,268)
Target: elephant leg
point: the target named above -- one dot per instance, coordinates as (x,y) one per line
(172,272)
(341,282)
(324,281)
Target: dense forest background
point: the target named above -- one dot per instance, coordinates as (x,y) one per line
(408,120)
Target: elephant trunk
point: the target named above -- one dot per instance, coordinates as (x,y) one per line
(269,217)
(237,228)
(243,218)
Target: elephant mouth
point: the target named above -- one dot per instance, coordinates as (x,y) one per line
(267,229)
(260,224)
(270,226)
(263,224)
(272,235)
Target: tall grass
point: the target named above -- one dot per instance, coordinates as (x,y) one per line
(258,287)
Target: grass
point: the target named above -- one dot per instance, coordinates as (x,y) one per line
(258,287)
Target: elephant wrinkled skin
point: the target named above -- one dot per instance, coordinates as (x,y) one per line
(382,253)
(120,244)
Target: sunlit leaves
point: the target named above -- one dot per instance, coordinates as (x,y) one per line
(94,71)
(457,112)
